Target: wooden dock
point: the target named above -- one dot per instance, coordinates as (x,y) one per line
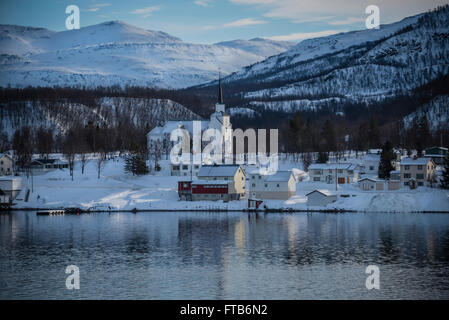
(50,213)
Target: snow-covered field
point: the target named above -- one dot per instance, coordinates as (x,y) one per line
(116,190)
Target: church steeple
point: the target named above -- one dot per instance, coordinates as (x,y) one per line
(220,90)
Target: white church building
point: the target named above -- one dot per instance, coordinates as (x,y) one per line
(158,139)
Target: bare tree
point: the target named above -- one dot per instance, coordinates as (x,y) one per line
(100,162)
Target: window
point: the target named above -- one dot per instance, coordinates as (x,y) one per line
(371,168)
(420,183)
(184,167)
(259,177)
(340,171)
(253,185)
(406,183)
(277,185)
(419,176)
(407,168)
(266,185)
(253,177)
(1,162)
(316,178)
(175,167)
(407,175)
(196,166)
(419,167)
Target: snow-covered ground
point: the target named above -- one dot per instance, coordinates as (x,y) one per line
(116,190)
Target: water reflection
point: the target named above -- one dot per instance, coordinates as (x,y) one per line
(219,255)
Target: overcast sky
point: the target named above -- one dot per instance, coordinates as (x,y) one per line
(209,21)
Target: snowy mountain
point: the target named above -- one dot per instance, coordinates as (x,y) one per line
(117,53)
(366,66)
(259,46)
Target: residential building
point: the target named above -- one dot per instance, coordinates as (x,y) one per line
(6,164)
(280,185)
(437,154)
(320,198)
(233,173)
(371,163)
(44,165)
(371,184)
(211,190)
(417,170)
(328,172)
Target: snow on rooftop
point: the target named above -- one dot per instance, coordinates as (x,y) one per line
(218,171)
(323,191)
(210,182)
(171,125)
(348,166)
(413,161)
(372,157)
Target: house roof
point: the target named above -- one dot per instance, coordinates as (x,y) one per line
(224,170)
(370,179)
(4,154)
(372,157)
(347,166)
(412,161)
(42,161)
(324,192)
(279,176)
(171,125)
(210,182)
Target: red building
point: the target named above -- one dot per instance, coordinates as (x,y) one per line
(203,190)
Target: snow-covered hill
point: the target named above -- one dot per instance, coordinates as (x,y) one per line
(259,46)
(436,112)
(358,67)
(108,111)
(117,53)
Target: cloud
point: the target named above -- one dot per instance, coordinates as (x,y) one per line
(243,22)
(304,35)
(96,6)
(346,21)
(203,3)
(313,19)
(145,12)
(299,10)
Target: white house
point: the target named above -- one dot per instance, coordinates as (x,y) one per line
(371,163)
(320,198)
(6,165)
(10,188)
(371,184)
(280,185)
(45,165)
(328,172)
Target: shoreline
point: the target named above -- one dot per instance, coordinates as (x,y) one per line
(82,211)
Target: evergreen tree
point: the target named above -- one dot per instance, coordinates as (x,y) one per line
(135,162)
(445,176)
(386,159)
(322,157)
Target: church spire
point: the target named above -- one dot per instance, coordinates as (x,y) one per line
(220,90)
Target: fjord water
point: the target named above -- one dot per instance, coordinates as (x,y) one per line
(201,255)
